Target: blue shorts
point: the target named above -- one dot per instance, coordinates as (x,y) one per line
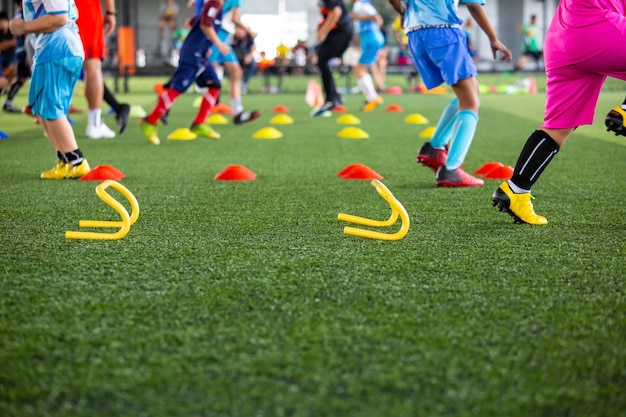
(441,55)
(217,56)
(189,70)
(371,42)
(52,86)
(7,60)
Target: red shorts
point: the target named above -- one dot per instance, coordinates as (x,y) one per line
(91,28)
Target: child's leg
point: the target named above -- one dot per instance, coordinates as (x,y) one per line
(443,130)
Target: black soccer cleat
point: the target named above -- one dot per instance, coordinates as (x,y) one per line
(614,121)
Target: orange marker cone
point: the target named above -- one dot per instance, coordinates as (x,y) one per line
(359,172)
(235,173)
(222,108)
(281,109)
(102,173)
(488,166)
(394,108)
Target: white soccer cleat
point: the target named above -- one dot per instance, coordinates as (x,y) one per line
(99,132)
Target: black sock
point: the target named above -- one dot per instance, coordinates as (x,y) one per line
(110,99)
(14,89)
(539,150)
(74,157)
(62,157)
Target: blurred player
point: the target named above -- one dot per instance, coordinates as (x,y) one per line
(193,66)
(334,34)
(367,23)
(439,49)
(226,32)
(57,62)
(93,29)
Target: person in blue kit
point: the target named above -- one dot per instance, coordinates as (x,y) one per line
(230,21)
(367,23)
(438,46)
(57,62)
(193,66)
(334,34)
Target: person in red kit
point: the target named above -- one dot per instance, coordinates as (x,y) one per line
(193,66)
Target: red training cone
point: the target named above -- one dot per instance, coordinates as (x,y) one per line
(488,166)
(359,172)
(339,109)
(500,173)
(235,173)
(102,173)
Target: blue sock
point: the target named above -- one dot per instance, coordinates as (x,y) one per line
(442,131)
(464,127)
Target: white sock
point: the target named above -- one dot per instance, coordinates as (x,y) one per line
(94,117)
(237,106)
(366,85)
(516,189)
(220,73)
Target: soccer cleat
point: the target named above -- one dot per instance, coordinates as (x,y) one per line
(165,119)
(372,105)
(10,108)
(56,173)
(246,116)
(615,121)
(205,131)
(150,132)
(517,206)
(431,157)
(122,118)
(99,132)
(456,178)
(325,110)
(77,171)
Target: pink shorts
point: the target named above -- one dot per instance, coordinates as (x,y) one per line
(578,60)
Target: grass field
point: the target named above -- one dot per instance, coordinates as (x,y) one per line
(246,299)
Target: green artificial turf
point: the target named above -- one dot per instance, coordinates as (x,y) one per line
(246,299)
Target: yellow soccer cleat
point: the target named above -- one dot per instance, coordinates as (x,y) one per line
(372,105)
(518,206)
(58,172)
(205,131)
(77,171)
(150,132)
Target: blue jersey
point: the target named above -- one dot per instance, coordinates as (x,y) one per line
(434,12)
(227,21)
(63,42)
(364,8)
(196,44)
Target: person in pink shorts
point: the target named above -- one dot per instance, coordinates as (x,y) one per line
(578,60)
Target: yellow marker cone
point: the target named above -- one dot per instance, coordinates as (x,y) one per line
(353,133)
(267,133)
(126,219)
(281,119)
(182,134)
(416,119)
(428,132)
(137,111)
(196,103)
(348,119)
(217,119)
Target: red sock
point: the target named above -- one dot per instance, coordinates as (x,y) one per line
(163,105)
(208,101)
